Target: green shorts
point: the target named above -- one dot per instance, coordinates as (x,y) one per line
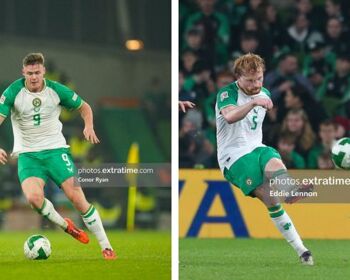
(247,173)
(56,164)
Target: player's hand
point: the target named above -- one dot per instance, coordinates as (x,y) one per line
(263,102)
(3,156)
(90,135)
(183,105)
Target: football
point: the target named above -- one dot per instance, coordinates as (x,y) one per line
(37,247)
(341,153)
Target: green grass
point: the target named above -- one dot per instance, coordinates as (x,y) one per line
(265,259)
(141,255)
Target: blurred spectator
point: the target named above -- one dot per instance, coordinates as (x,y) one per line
(318,63)
(195,150)
(343,127)
(297,123)
(333,9)
(336,38)
(312,12)
(185,92)
(324,161)
(194,43)
(273,27)
(327,138)
(285,76)
(335,89)
(234,10)
(248,43)
(252,23)
(300,33)
(215,27)
(298,98)
(200,82)
(187,62)
(286,146)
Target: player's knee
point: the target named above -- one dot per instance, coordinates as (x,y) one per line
(35,199)
(274,164)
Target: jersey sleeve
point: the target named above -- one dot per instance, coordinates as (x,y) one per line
(68,98)
(226,97)
(266,92)
(7,100)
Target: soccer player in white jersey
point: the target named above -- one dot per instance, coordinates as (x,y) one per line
(243,159)
(35,104)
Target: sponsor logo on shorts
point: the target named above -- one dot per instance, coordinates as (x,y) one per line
(249,181)
(223,95)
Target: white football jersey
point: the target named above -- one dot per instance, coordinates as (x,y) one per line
(35,115)
(242,137)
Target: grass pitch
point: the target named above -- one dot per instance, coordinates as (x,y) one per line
(265,259)
(141,255)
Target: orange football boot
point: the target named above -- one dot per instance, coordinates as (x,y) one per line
(109,254)
(76,232)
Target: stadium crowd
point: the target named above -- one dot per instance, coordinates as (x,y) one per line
(306,47)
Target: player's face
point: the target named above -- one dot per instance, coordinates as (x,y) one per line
(34,75)
(251,83)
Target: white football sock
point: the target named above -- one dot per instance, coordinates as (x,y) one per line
(285,225)
(48,211)
(93,222)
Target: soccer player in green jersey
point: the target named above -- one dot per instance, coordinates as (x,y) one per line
(35,105)
(243,159)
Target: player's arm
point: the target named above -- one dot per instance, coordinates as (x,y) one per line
(3,154)
(234,114)
(2,118)
(87,115)
(183,105)
(72,101)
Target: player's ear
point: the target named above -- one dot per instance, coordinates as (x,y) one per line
(44,70)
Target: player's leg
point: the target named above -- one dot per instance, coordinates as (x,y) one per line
(277,177)
(33,189)
(32,175)
(277,214)
(247,173)
(89,215)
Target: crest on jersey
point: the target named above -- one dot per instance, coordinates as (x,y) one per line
(74,97)
(36,102)
(223,95)
(2,99)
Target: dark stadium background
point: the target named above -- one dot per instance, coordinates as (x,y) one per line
(84,45)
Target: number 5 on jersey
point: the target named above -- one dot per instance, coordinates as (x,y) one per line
(255,123)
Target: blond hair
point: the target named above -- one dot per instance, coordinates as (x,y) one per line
(248,63)
(33,58)
(307,137)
